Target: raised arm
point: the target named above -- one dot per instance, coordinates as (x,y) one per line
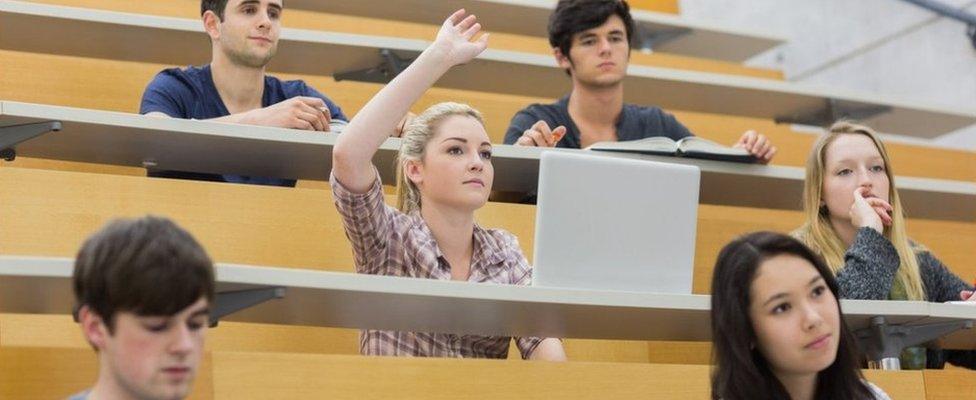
(354,150)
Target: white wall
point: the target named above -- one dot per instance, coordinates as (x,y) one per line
(879,46)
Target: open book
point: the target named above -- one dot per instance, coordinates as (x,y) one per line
(691,146)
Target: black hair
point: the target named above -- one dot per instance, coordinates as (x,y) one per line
(741,371)
(575,16)
(217,6)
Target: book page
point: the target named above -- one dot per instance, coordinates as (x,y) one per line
(657,144)
(694,144)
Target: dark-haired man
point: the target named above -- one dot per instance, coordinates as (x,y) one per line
(143,291)
(591,41)
(235,87)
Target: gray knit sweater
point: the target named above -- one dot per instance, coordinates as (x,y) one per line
(872,261)
(869,271)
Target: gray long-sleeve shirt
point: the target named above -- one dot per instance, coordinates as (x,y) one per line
(870,265)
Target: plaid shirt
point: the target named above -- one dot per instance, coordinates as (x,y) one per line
(386,241)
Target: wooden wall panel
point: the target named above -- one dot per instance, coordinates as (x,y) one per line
(56,373)
(302,19)
(950,384)
(338,377)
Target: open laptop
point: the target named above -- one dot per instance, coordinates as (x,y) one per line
(609,223)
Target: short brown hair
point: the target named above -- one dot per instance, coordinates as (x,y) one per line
(148,266)
(575,16)
(217,6)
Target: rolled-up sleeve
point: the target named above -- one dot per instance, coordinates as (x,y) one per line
(368,222)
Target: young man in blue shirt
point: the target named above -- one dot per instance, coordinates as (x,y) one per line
(235,87)
(591,41)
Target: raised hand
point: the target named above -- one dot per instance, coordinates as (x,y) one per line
(383,114)
(455,38)
(871,212)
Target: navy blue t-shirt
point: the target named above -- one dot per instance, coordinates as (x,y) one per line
(190,93)
(635,122)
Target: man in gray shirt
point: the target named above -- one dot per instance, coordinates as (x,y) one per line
(591,41)
(143,291)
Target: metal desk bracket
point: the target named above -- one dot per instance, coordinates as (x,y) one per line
(833,111)
(390,66)
(883,343)
(647,39)
(233,301)
(12,135)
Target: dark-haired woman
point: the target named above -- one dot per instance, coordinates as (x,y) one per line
(777,326)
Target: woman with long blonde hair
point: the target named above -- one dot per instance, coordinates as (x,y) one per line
(445,174)
(855,221)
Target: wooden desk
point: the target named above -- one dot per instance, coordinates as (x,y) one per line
(42,286)
(106,137)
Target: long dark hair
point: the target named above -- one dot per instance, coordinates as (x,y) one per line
(741,372)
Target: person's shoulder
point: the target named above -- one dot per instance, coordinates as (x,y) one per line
(500,236)
(188,78)
(546,112)
(502,240)
(923,254)
(918,248)
(188,73)
(173,91)
(505,254)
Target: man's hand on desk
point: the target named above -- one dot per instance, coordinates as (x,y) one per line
(307,113)
(758,145)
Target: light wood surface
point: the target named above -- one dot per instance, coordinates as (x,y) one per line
(52,330)
(48,330)
(28,373)
(46,373)
(952,383)
(339,377)
(899,384)
(666,6)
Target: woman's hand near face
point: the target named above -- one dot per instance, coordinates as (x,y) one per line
(870,212)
